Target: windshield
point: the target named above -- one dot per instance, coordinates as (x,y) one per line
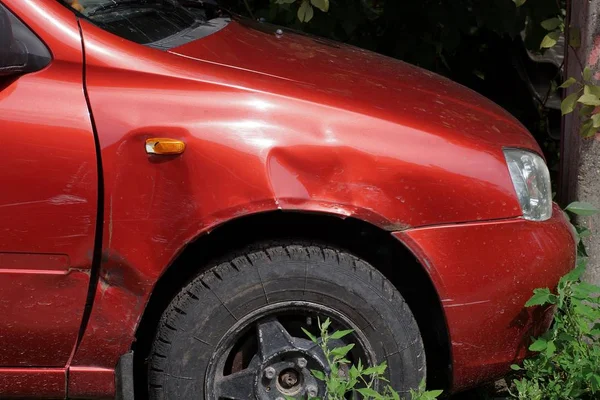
(157,23)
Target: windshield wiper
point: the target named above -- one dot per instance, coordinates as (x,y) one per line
(123,3)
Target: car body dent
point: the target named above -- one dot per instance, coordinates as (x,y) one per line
(257,144)
(254,146)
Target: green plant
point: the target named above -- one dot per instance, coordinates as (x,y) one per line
(586,94)
(582,209)
(358,379)
(305,7)
(567,364)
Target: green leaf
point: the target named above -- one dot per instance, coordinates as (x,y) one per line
(541,297)
(538,345)
(550,349)
(574,275)
(325,325)
(342,351)
(335,386)
(515,367)
(318,374)
(312,337)
(589,100)
(584,289)
(587,311)
(551,24)
(322,5)
(340,334)
(586,111)
(587,73)
(568,104)
(591,89)
(376,370)
(353,373)
(582,208)
(568,83)
(587,129)
(479,74)
(433,394)
(550,40)
(305,11)
(565,337)
(595,380)
(519,3)
(369,393)
(596,120)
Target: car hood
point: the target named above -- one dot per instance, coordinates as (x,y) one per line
(350,78)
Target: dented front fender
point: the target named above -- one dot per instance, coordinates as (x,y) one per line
(253,144)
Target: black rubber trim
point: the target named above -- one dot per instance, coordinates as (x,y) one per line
(124,377)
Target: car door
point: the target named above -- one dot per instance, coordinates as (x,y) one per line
(48,189)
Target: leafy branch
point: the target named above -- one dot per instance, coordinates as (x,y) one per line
(586,93)
(356,379)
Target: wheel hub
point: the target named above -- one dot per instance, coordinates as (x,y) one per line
(287,373)
(288,379)
(279,365)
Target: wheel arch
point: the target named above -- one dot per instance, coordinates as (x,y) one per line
(369,242)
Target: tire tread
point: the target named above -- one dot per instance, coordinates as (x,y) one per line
(269,253)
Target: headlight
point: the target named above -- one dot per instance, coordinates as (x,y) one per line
(531,180)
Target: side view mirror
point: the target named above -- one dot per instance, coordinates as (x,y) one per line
(21,51)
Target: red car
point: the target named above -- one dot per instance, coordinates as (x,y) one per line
(183,191)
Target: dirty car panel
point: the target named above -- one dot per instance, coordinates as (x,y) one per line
(48,206)
(484,273)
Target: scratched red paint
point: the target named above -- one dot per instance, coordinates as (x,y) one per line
(402,149)
(484,282)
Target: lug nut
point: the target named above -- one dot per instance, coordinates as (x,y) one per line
(312,390)
(269,372)
(301,362)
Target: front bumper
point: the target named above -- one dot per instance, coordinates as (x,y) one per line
(484,273)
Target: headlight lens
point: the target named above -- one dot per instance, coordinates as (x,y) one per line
(531,180)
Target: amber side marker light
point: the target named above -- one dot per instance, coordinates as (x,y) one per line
(164,146)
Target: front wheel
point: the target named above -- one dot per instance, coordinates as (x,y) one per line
(236,331)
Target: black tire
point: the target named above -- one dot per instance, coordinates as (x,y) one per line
(204,311)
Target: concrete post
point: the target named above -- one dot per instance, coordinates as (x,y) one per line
(580,165)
